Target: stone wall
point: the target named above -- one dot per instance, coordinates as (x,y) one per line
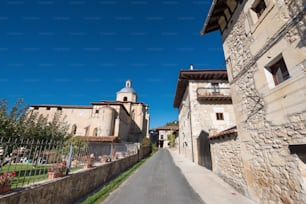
(185,145)
(226,160)
(73,187)
(144,151)
(269,118)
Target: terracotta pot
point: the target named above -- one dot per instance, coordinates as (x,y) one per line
(52,175)
(5,188)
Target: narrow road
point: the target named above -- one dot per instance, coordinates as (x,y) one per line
(157,181)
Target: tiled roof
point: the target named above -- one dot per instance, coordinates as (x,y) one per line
(216,11)
(223,133)
(199,75)
(61,106)
(100,138)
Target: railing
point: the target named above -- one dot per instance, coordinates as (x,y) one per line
(214,93)
(23,162)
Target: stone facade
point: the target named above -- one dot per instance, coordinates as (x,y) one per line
(201,95)
(125,118)
(270,112)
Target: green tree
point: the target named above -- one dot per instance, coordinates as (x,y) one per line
(19,121)
(174,123)
(146,141)
(171,138)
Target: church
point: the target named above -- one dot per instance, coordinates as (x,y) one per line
(123,120)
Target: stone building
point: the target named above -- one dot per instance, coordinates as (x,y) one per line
(124,118)
(204,103)
(163,134)
(264,47)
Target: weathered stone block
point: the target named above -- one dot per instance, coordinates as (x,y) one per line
(276,160)
(294,118)
(285,200)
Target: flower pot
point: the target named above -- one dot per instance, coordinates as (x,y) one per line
(90,163)
(52,174)
(5,188)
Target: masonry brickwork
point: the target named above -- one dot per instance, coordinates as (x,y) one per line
(270,118)
(227,162)
(269,101)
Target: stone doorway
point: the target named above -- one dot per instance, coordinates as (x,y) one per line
(204,153)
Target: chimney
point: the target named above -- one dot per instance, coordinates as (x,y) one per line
(191,67)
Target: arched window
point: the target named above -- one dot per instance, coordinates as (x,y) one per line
(74,129)
(87,131)
(125,99)
(95,132)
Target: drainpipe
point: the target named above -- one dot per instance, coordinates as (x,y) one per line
(190,123)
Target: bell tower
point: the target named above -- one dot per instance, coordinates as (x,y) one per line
(127,94)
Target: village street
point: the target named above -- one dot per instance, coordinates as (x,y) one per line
(167,177)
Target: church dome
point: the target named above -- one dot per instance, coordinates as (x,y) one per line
(128,88)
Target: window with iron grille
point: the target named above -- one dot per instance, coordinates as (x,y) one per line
(215,88)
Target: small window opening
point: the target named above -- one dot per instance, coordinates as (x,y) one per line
(219,116)
(95,132)
(279,71)
(48,108)
(97,111)
(300,151)
(74,130)
(125,99)
(259,7)
(87,131)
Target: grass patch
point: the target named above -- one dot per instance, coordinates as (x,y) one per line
(106,190)
(28,173)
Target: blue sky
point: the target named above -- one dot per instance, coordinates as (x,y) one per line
(74,52)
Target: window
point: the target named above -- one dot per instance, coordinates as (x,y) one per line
(59,108)
(97,111)
(215,87)
(125,99)
(219,116)
(300,151)
(48,108)
(74,129)
(95,132)
(259,7)
(86,131)
(279,71)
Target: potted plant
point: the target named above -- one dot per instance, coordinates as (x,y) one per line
(5,181)
(105,158)
(89,161)
(57,170)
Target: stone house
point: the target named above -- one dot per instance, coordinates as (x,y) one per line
(124,119)
(163,132)
(264,47)
(203,99)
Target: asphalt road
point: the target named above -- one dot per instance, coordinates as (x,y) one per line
(157,181)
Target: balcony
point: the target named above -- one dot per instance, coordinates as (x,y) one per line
(219,95)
